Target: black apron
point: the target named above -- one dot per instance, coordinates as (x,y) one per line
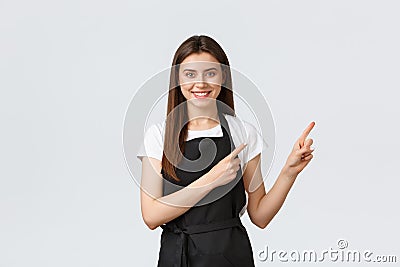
(210,233)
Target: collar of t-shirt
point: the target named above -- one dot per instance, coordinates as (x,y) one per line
(212,132)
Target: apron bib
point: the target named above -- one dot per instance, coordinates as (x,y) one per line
(210,233)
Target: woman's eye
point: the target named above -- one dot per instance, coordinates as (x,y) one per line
(211,74)
(189,74)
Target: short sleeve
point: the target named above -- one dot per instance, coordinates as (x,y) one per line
(255,142)
(152,145)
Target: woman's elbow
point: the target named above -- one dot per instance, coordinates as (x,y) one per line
(150,223)
(260,223)
(151,226)
(262,226)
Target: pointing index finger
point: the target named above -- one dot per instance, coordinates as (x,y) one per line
(305,133)
(237,150)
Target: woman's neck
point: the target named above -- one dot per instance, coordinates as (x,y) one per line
(202,118)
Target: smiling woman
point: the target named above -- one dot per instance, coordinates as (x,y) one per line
(202,78)
(193,179)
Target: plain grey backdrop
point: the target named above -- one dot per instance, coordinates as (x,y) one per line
(68,70)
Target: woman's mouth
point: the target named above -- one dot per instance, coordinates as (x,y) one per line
(201,94)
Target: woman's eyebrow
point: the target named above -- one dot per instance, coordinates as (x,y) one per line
(210,69)
(204,70)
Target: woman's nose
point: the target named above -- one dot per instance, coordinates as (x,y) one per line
(201,84)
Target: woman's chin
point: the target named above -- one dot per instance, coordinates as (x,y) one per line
(201,101)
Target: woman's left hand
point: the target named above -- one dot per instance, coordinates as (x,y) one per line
(301,153)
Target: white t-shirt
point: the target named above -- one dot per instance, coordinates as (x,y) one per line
(241,131)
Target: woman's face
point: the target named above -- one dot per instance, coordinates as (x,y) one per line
(200,78)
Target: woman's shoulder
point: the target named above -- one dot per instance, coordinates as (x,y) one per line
(152,145)
(238,123)
(244,130)
(155,130)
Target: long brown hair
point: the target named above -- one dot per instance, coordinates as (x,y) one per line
(175,122)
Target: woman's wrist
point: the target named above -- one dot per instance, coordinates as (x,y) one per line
(208,180)
(289,172)
(205,182)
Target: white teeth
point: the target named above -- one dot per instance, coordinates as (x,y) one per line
(201,94)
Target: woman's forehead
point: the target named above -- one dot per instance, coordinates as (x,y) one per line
(202,56)
(200,66)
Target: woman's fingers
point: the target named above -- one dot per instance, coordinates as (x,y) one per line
(310,156)
(308,150)
(305,133)
(234,162)
(304,150)
(237,150)
(306,154)
(308,142)
(233,165)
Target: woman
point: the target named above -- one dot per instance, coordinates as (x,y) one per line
(195,190)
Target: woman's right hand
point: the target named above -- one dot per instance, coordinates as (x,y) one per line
(226,170)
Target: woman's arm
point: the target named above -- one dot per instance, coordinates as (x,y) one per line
(158,209)
(262,207)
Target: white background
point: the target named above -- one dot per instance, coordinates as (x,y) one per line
(68,70)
